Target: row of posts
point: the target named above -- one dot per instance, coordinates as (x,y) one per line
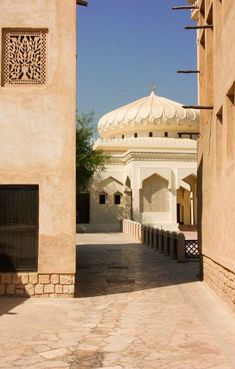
(168,243)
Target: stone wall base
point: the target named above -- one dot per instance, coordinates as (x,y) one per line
(220,279)
(37,285)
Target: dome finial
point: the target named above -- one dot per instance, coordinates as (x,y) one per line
(153,88)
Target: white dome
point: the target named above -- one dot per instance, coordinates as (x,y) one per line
(151,113)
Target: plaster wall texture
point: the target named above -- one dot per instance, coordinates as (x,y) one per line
(37,123)
(216,171)
(216,163)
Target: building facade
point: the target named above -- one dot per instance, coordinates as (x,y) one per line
(37,147)
(216,170)
(151,176)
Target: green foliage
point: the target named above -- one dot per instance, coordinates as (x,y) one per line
(88,160)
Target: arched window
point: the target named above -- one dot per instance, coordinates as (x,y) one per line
(150,134)
(123,136)
(154,195)
(135,135)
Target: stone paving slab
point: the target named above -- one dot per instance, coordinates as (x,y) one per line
(169,321)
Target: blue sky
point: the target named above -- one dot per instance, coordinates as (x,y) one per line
(124,46)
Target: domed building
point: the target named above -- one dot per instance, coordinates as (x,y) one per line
(151,176)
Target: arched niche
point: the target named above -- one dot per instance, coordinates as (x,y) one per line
(154,195)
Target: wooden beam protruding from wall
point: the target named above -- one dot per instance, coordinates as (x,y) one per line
(188,71)
(82,2)
(206,26)
(197,107)
(183,7)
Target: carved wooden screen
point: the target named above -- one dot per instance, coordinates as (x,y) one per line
(24,56)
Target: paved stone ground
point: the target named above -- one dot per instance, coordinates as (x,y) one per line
(136,310)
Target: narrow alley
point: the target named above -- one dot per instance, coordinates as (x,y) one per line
(135,309)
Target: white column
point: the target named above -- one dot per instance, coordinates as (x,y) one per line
(192,207)
(136,204)
(173,199)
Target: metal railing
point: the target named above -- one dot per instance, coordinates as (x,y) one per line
(191,249)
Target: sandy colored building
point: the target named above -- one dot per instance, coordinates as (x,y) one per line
(216,170)
(37,147)
(151,177)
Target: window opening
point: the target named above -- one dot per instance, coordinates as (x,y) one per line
(19,208)
(102,199)
(219,138)
(117,199)
(230,107)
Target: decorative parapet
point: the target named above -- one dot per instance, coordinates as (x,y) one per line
(37,285)
(160,156)
(157,148)
(155,142)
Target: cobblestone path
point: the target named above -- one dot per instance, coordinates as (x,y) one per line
(135,309)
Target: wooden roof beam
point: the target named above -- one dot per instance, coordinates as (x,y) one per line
(188,71)
(186,7)
(206,26)
(197,107)
(82,2)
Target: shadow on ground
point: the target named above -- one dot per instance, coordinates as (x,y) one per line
(119,268)
(9,303)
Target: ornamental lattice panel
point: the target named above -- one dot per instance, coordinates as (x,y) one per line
(191,249)
(24,56)
(155,195)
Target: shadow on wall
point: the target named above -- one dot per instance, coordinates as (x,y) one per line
(11,285)
(200,210)
(119,268)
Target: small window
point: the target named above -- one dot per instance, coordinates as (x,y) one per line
(135,135)
(150,134)
(102,199)
(166,134)
(117,199)
(219,139)
(123,136)
(219,116)
(230,107)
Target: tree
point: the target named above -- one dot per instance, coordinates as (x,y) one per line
(88,160)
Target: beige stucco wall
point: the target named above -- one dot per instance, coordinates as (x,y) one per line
(216,145)
(37,123)
(107,216)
